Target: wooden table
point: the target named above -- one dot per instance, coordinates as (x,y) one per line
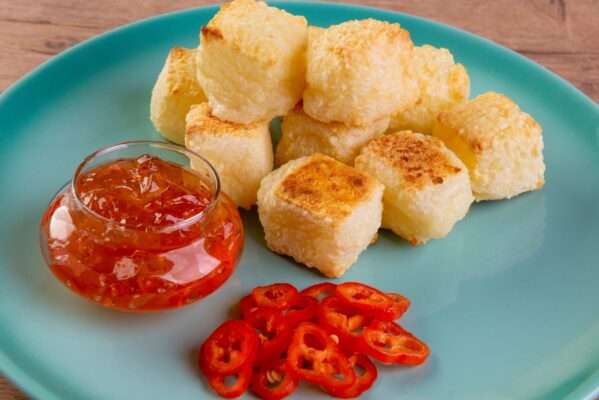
(559,34)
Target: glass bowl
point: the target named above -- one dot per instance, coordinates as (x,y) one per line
(138,229)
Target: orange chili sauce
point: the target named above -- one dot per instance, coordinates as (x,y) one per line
(142,234)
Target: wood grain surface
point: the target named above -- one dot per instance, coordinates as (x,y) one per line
(559,34)
(562,35)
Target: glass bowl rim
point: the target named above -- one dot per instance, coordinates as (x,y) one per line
(156,144)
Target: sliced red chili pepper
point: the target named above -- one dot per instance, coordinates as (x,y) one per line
(273,332)
(399,305)
(246,305)
(277,295)
(228,348)
(342,320)
(231,385)
(320,291)
(370,301)
(390,343)
(338,372)
(309,345)
(274,381)
(315,357)
(366,374)
(302,309)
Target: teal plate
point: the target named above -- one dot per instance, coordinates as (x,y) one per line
(509,302)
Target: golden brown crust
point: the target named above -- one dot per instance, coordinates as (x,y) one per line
(420,159)
(325,186)
(179,53)
(211,32)
(181,72)
(201,121)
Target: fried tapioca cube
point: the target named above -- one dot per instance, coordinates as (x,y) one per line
(241,154)
(441,84)
(302,135)
(501,145)
(427,188)
(358,71)
(320,211)
(251,61)
(176,89)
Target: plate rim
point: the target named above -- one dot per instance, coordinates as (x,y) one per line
(588,389)
(20,82)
